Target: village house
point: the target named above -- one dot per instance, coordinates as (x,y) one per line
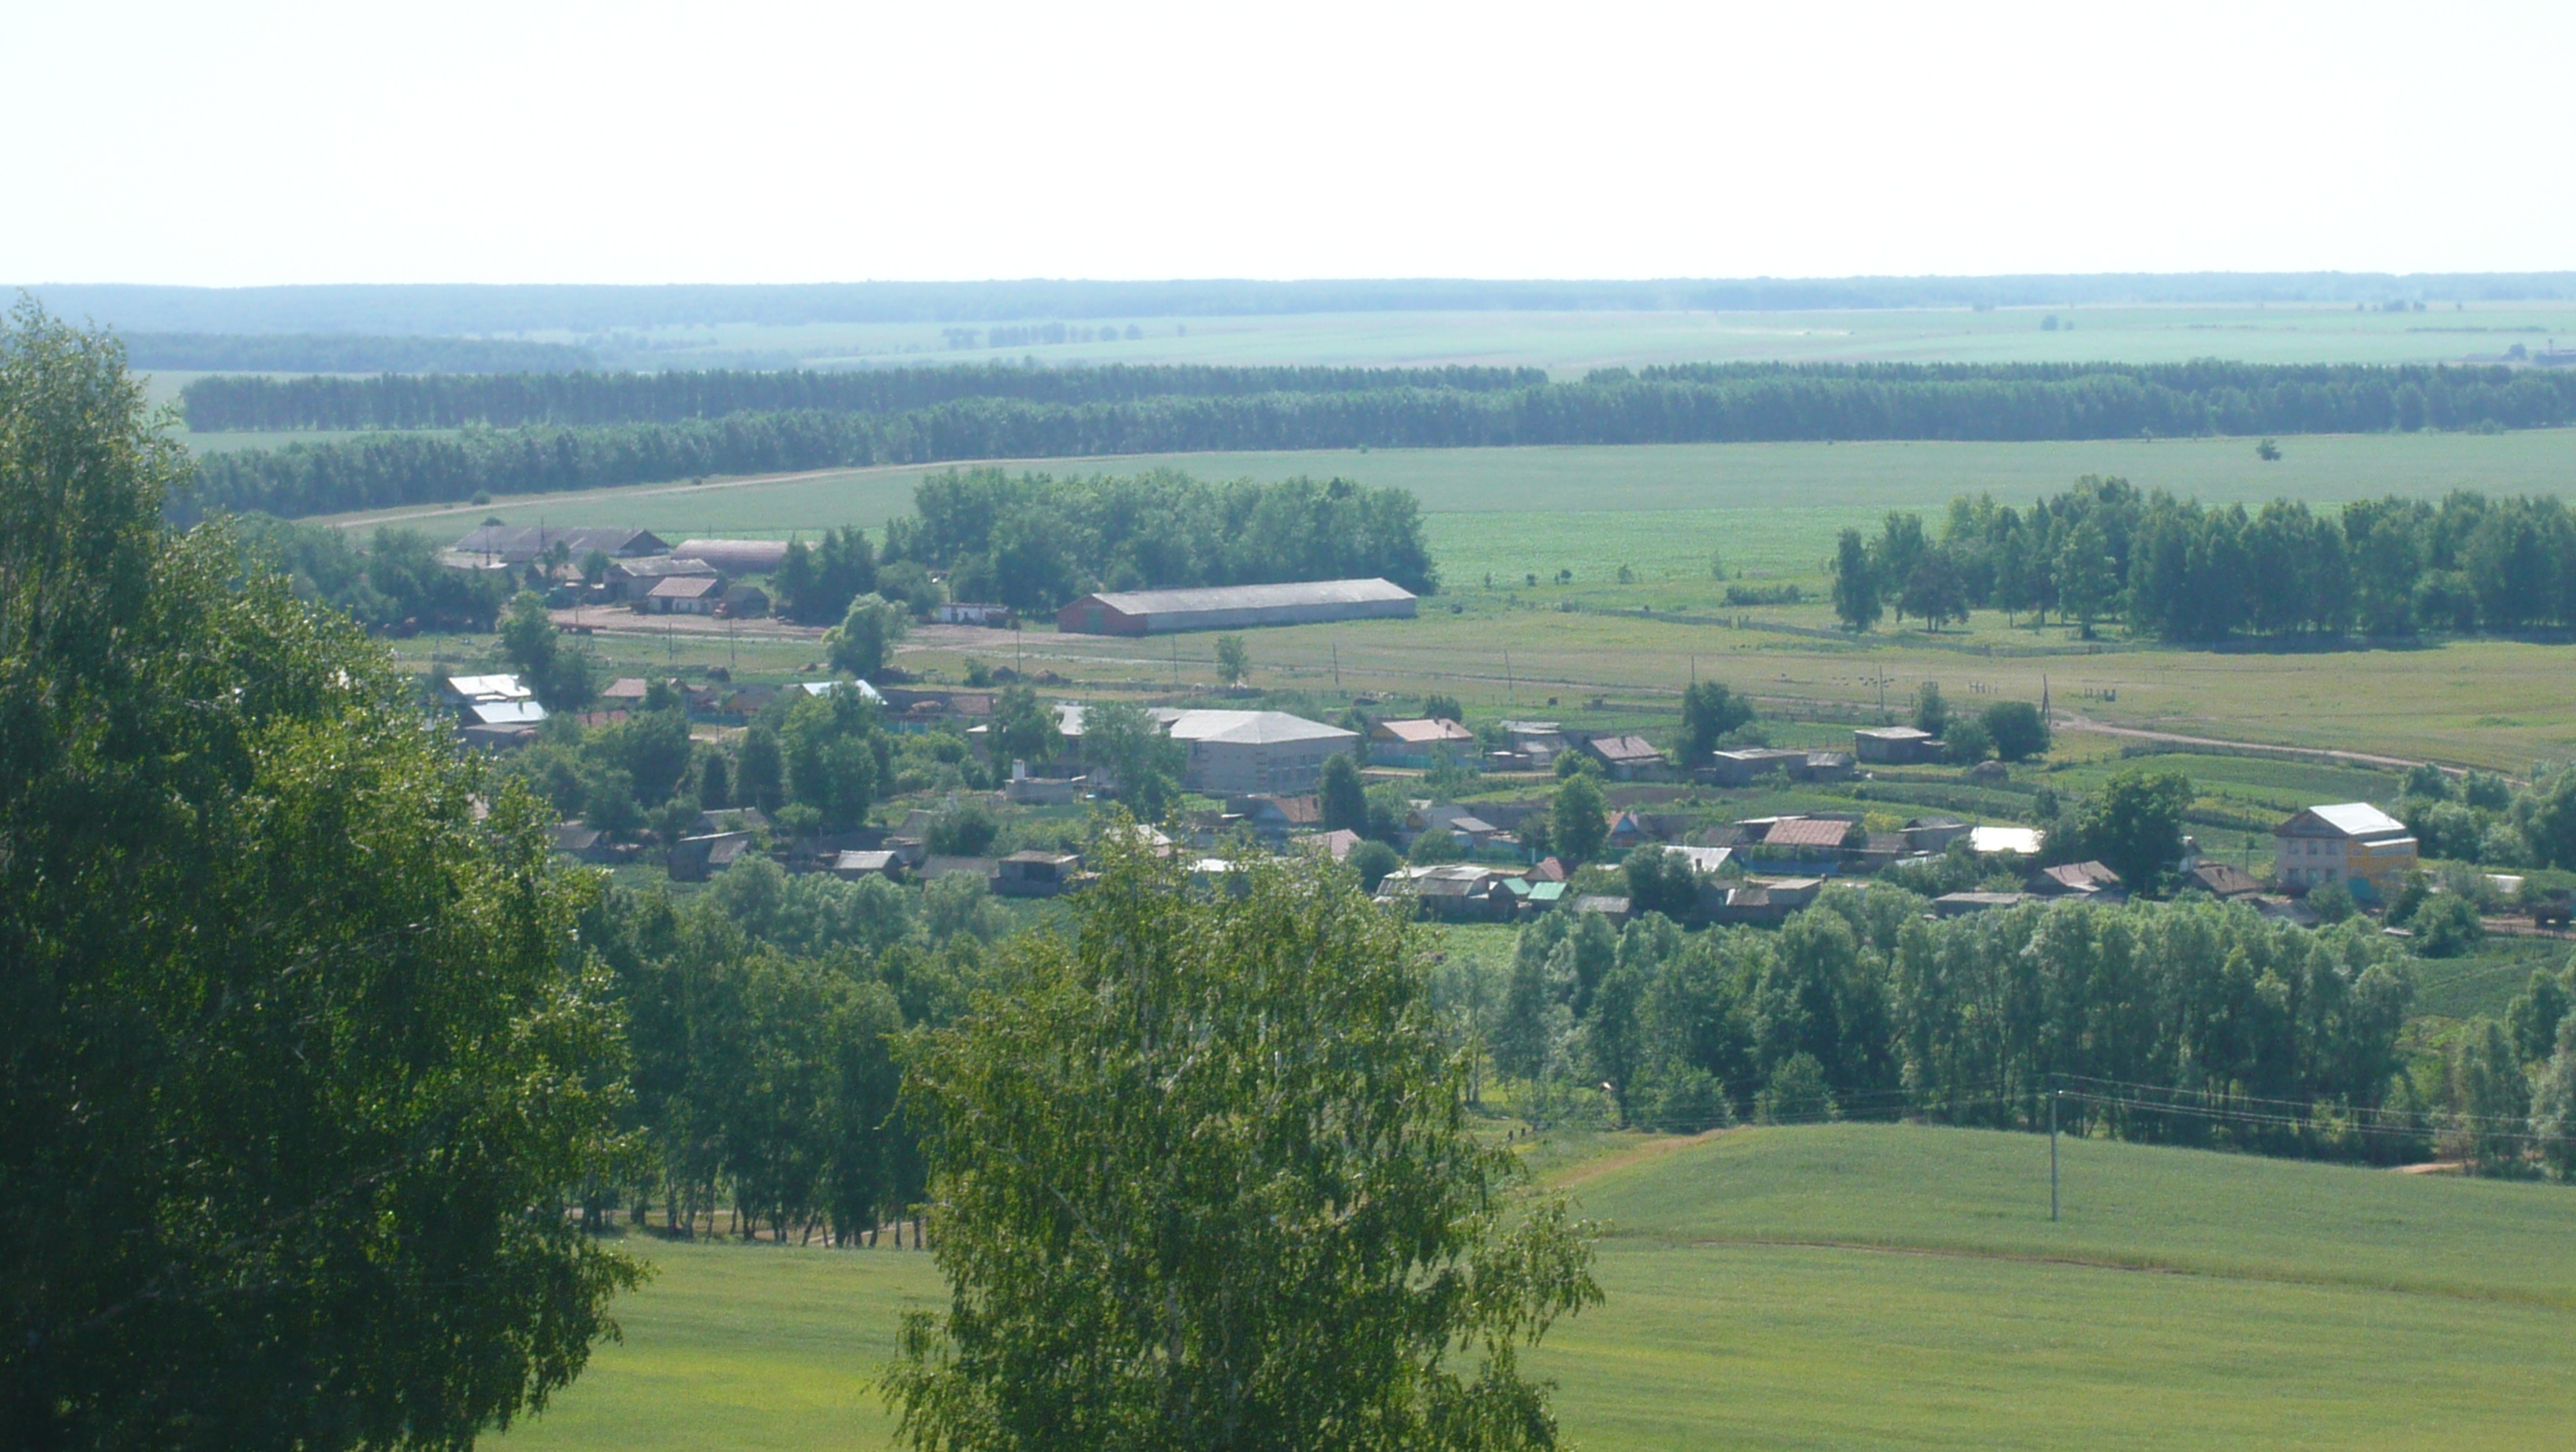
(633,579)
(1896,746)
(1035,874)
(684,595)
(852,865)
(1419,742)
(1628,758)
(695,859)
(2351,843)
(2222,880)
(1528,746)
(2090,881)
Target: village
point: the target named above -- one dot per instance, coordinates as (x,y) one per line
(1459,823)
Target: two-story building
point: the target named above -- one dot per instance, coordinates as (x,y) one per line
(2352,843)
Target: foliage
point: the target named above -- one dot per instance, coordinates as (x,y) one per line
(866,637)
(1233,660)
(1578,818)
(966,829)
(2132,825)
(1143,764)
(562,676)
(1373,860)
(1856,587)
(815,584)
(2017,729)
(1710,712)
(248,901)
(1341,798)
(1024,728)
(1205,1179)
(988,414)
(1967,740)
(1931,713)
(2446,926)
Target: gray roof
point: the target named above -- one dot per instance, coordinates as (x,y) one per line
(488,688)
(1893,733)
(1260,728)
(683,587)
(742,556)
(1252,597)
(507,713)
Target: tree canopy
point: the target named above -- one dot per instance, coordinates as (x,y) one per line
(300,1047)
(1205,1179)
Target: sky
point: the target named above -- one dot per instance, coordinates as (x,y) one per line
(775,141)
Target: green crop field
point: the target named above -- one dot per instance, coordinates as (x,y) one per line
(1841,1286)
(1568,343)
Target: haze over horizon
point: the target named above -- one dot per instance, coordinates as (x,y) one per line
(277,143)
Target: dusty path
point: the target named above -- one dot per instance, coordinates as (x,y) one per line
(2069,721)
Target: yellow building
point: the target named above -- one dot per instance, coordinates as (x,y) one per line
(2353,843)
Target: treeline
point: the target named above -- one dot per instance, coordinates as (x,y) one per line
(1775,404)
(343,353)
(1035,542)
(510,400)
(2181,571)
(1865,1007)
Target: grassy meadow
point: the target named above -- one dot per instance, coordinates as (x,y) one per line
(1835,1286)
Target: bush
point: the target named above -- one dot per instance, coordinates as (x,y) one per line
(1796,1094)
(1969,742)
(2017,729)
(961,831)
(2447,926)
(1373,861)
(2331,902)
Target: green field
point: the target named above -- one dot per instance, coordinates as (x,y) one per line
(1567,343)
(1843,1286)
(1768,512)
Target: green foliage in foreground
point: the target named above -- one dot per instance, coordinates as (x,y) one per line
(2327,1307)
(299,1049)
(1203,1177)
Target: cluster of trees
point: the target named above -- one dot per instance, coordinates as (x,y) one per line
(763,1019)
(508,400)
(2006,730)
(1035,542)
(1864,1006)
(2485,819)
(398,582)
(2181,571)
(301,1049)
(1762,402)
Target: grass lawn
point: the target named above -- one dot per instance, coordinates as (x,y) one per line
(1840,1286)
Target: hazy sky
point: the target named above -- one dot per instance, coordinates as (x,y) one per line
(753,141)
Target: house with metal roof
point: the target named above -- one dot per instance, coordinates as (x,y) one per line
(1234,607)
(684,595)
(2351,843)
(1254,753)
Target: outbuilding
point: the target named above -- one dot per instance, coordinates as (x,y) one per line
(1234,607)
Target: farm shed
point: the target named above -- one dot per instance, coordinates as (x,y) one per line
(735,556)
(1234,607)
(1896,746)
(516,545)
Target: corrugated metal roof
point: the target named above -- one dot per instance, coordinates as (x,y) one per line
(507,713)
(1427,730)
(1252,597)
(488,688)
(2022,840)
(2353,819)
(682,587)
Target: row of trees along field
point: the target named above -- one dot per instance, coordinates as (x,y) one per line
(1756,402)
(2182,571)
(2185,1022)
(397,401)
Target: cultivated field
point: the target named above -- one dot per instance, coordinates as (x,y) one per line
(1568,343)
(1841,1286)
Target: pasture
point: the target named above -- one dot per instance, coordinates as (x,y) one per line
(1834,1286)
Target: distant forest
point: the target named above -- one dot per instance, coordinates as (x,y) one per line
(1750,402)
(344,353)
(447,309)
(510,400)
(2182,571)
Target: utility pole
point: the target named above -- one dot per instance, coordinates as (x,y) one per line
(2053,1097)
(1337,665)
(1508,698)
